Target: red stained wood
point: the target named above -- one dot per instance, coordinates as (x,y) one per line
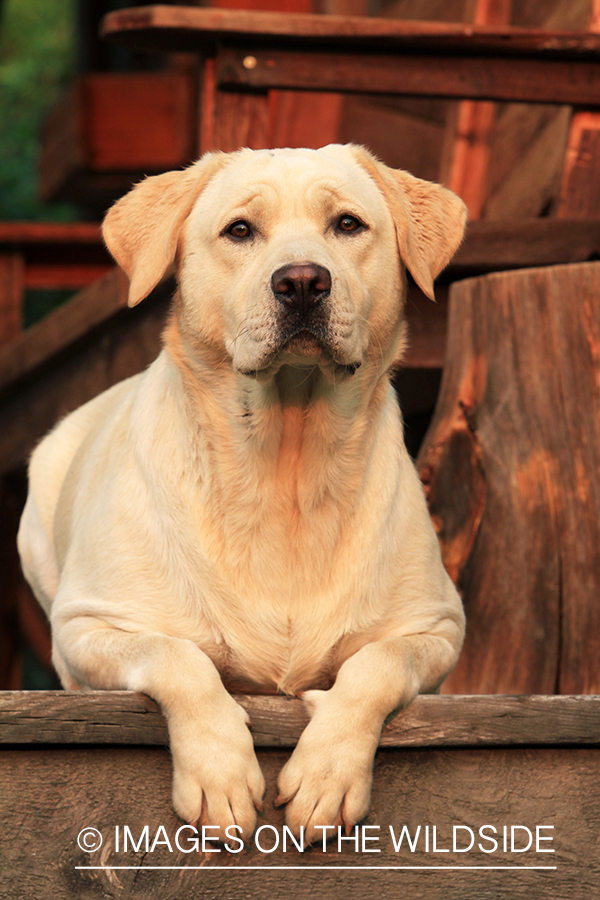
(580,191)
(112,128)
(241,120)
(53,255)
(12,282)
(26,234)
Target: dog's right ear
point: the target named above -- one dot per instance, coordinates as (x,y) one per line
(429,219)
(141,230)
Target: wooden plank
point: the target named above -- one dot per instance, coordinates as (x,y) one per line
(26,233)
(175,28)
(580,189)
(50,796)
(298,119)
(64,276)
(12,285)
(121,718)
(427,328)
(63,326)
(241,120)
(120,125)
(377,123)
(53,370)
(57,255)
(457,77)
(527,161)
(473,124)
(490,246)
(137,121)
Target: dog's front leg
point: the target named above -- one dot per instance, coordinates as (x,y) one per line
(216,777)
(327,780)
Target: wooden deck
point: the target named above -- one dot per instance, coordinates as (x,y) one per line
(525,767)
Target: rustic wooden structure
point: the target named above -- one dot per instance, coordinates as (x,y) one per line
(83,761)
(41,255)
(71,762)
(154,117)
(111,128)
(246,55)
(511,466)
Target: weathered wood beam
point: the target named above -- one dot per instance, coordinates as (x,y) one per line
(122,718)
(496,78)
(77,351)
(187,28)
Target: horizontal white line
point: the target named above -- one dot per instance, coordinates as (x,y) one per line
(302,868)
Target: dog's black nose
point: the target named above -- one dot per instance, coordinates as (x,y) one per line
(301,286)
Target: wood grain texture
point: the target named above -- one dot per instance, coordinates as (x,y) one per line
(241,120)
(435,75)
(580,190)
(491,246)
(121,717)
(511,466)
(527,161)
(49,796)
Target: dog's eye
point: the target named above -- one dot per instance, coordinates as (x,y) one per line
(239,230)
(349,224)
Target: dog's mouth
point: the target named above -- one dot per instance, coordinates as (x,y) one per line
(304,347)
(305,343)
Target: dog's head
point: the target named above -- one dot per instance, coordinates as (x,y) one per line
(288,256)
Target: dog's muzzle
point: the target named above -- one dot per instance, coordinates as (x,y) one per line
(302,328)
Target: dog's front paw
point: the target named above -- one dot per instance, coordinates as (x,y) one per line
(327,780)
(216,777)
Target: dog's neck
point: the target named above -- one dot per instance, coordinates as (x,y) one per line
(278,474)
(299,429)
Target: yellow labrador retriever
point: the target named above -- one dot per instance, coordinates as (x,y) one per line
(244,514)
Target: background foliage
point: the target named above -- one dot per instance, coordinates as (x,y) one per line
(37,61)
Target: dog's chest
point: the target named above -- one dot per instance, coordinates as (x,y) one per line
(286,663)
(276,624)
(263,640)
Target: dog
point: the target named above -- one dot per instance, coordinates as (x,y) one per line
(243,515)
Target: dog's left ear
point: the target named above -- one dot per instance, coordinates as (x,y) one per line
(430,220)
(141,230)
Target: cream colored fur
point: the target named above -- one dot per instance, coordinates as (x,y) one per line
(244,514)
